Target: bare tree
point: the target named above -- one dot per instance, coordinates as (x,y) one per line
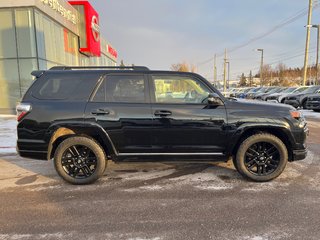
(183,67)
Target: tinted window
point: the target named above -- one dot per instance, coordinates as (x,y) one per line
(176,89)
(65,86)
(122,89)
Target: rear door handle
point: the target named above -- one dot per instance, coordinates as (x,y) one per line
(100,111)
(162,113)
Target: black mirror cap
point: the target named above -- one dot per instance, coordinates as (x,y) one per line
(214,100)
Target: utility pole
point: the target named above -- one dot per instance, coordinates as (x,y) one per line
(225,72)
(215,80)
(228,79)
(317,61)
(306,55)
(261,65)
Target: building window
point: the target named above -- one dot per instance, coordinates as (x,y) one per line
(25,33)
(7,35)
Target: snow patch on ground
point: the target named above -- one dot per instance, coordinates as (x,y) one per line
(146,188)
(8,135)
(267,236)
(147,175)
(310,113)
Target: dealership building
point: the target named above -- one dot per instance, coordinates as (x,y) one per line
(40,34)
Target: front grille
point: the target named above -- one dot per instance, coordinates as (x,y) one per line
(317,99)
(292,98)
(272,98)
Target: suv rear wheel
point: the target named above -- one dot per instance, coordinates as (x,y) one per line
(261,157)
(80,160)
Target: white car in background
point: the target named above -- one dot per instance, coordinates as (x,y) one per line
(279,97)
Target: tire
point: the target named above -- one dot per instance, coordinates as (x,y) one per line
(261,157)
(304,105)
(316,110)
(79,160)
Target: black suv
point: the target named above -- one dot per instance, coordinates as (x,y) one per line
(313,102)
(81,117)
(299,100)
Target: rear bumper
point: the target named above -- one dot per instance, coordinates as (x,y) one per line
(35,149)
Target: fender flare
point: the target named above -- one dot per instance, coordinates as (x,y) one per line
(79,128)
(276,129)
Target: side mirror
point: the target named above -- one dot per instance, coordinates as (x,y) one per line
(214,100)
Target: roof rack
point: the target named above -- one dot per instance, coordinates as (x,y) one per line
(137,68)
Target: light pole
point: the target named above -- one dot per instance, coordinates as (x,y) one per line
(261,64)
(224,72)
(317,60)
(228,84)
(306,54)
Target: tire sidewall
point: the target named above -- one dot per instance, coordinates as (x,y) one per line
(261,138)
(93,146)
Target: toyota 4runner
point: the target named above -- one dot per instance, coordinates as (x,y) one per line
(83,116)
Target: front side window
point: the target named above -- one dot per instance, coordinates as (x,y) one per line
(180,90)
(122,89)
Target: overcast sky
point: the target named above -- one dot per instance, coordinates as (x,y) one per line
(158,33)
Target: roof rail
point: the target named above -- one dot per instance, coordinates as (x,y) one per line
(138,68)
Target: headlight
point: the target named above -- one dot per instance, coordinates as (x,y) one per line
(296,114)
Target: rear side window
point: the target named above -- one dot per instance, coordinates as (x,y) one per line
(65,86)
(122,89)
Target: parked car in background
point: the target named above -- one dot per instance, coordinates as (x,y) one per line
(243,93)
(299,100)
(264,96)
(234,91)
(275,96)
(283,95)
(252,92)
(262,92)
(313,102)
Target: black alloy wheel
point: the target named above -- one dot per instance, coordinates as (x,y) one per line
(261,157)
(80,160)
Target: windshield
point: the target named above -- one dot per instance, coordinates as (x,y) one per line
(247,90)
(275,90)
(269,90)
(311,89)
(289,90)
(300,89)
(253,90)
(280,90)
(263,90)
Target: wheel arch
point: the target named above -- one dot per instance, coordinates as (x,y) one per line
(280,132)
(60,132)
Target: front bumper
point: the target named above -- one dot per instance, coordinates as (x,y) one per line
(299,154)
(313,105)
(294,103)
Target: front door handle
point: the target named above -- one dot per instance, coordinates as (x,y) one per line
(100,111)
(162,113)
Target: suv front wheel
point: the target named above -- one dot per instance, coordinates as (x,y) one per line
(80,160)
(261,157)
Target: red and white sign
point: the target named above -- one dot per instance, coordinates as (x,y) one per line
(112,51)
(92,29)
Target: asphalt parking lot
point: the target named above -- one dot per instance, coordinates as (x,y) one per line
(159,201)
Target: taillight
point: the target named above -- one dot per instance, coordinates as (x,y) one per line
(22,110)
